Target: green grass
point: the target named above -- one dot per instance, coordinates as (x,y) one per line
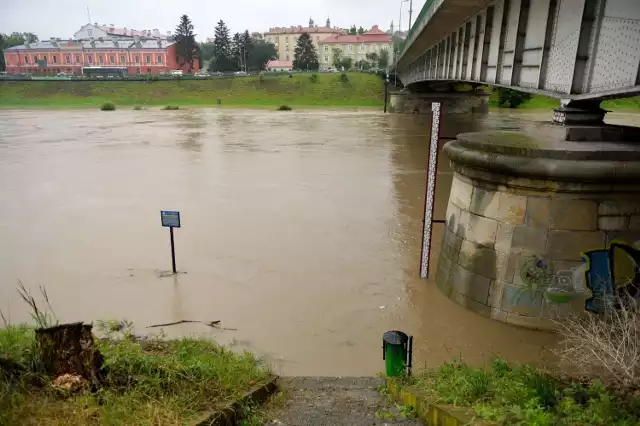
(545,102)
(362,90)
(522,395)
(152,382)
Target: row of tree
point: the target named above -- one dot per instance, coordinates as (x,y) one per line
(14,39)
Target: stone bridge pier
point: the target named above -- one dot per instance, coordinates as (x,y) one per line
(417,100)
(542,223)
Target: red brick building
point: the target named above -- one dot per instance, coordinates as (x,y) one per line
(128,54)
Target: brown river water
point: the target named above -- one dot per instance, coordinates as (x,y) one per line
(300,230)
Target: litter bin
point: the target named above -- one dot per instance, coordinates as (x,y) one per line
(397,353)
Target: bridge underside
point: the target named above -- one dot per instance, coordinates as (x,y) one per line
(574,50)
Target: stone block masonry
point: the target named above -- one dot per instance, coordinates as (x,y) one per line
(520,248)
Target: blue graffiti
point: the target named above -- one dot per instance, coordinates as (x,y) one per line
(610,274)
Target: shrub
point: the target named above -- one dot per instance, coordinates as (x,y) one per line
(509,98)
(137,108)
(171,108)
(108,106)
(313,78)
(605,347)
(344,78)
(284,108)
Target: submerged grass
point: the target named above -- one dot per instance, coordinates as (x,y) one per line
(523,395)
(148,382)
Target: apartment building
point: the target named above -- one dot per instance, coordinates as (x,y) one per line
(355,46)
(285,38)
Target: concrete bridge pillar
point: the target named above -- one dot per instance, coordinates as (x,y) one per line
(408,102)
(539,227)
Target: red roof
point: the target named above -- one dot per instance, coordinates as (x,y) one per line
(374,35)
(279,64)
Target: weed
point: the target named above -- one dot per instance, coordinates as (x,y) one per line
(43,318)
(605,347)
(520,394)
(108,106)
(284,108)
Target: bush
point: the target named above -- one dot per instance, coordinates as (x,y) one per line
(171,108)
(509,98)
(313,78)
(284,108)
(344,78)
(137,108)
(108,106)
(605,347)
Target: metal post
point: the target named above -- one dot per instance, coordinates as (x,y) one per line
(173,252)
(397,47)
(386,92)
(410,13)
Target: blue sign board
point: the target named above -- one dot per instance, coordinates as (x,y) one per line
(170,219)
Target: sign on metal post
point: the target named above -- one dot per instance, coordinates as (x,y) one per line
(429,199)
(171,219)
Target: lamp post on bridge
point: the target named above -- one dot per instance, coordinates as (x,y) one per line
(397,47)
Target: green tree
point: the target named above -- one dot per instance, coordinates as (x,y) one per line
(383,59)
(346,63)
(353,30)
(305,56)
(12,40)
(186,47)
(373,59)
(337,58)
(223,60)
(363,65)
(206,51)
(260,53)
(247,44)
(236,50)
(361,31)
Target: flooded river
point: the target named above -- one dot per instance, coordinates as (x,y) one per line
(300,230)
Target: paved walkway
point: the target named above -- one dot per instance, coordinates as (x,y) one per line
(335,401)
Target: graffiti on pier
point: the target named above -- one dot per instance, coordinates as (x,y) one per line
(603,277)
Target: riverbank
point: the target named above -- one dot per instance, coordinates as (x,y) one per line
(147,381)
(326,90)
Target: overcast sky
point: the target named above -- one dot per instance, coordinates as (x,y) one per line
(61,18)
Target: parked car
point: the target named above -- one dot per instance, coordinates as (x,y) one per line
(63,74)
(202,74)
(218,74)
(240,74)
(177,73)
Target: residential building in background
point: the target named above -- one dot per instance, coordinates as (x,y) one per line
(276,65)
(285,38)
(99,50)
(354,46)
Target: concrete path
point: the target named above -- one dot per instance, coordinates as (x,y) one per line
(335,401)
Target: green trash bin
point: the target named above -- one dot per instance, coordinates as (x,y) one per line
(397,350)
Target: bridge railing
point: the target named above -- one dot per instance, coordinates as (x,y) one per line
(421,21)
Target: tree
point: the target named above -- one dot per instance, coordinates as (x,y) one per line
(383,59)
(363,65)
(223,60)
(361,31)
(373,59)
(12,40)
(353,30)
(186,47)
(247,44)
(236,50)
(206,51)
(305,56)
(340,61)
(260,53)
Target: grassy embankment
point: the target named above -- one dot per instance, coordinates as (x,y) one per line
(327,90)
(361,90)
(149,382)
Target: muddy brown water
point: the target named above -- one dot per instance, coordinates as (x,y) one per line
(300,230)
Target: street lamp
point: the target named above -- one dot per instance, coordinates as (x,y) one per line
(397,47)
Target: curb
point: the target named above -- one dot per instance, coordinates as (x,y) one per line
(230,414)
(432,414)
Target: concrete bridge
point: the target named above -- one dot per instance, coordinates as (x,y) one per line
(544,222)
(579,51)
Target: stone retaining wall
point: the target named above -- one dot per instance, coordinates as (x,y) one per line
(405,102)
(524,251)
